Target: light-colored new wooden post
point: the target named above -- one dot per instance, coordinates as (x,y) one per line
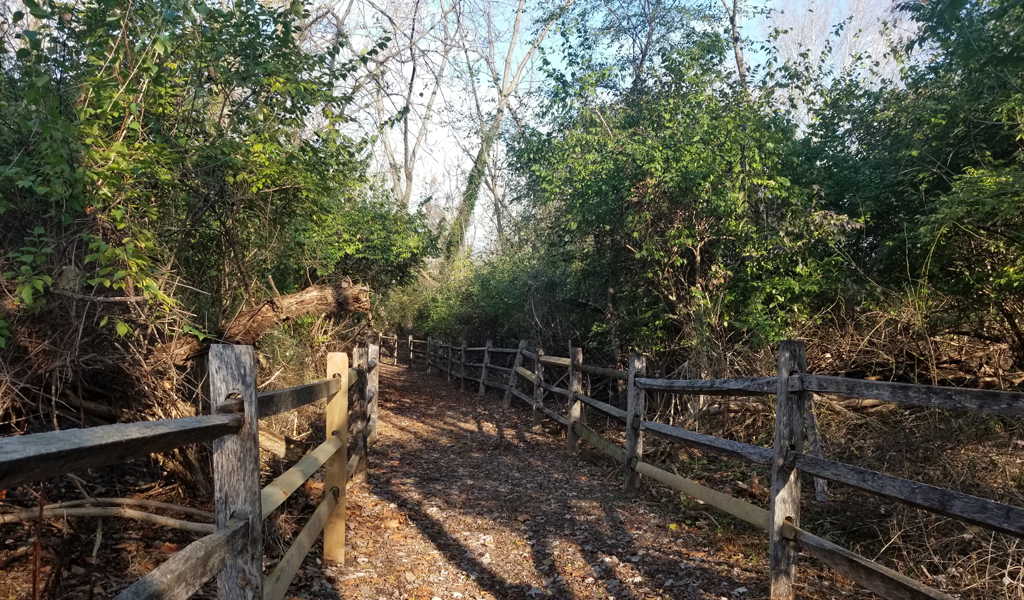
(335,473)
(236,470)
(372,392)
(360,357)
(575,405)
(483,369)
(518,362)
(538,388)
(410,352)
(635,401)
(785,499)
(462,365)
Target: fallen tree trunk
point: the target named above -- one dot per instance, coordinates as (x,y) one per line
(250,326)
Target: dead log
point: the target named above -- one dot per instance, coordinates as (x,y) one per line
(248,327)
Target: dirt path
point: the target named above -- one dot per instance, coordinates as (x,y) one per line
(465,501)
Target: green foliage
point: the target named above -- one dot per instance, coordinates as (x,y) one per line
(172,146)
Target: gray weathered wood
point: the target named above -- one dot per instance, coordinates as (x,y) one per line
(372,394)
(755,454)
(575,406)
(522,396)
(483,368)
(785,498)
(602,444)
(529,355)
(278,490)
(635,401)
(1004,518)
(604,372)
(236,471)
(517,363)
(336,468)
(618,413)
(449,371)
(885,582)
(358,397)
(753,386)
(553,415)
(538,387)
(987,401)
(462,365)
(28,458)
(504,350)
(491,367)
(281,578)
(817,448)
(181,575)
(278,401)
(554,389)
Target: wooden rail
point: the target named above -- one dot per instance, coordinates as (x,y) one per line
(234,551)
(793,388)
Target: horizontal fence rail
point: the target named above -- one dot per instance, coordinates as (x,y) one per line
(792,389)
(232,550)
(28,458)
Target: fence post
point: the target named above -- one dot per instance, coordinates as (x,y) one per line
(410,352)
(635,400)
(518,362)
(335,470)
(449,361)
(785,498)
(372,391)
(575,405)
(538,388)
(483,369)
(236,469)
(360,357)
(462,366)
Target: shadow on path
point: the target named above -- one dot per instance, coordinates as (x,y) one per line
(464,501)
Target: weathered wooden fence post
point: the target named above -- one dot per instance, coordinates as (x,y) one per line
(449,346)
(335,469)
(410,352)
(236,469)
(483,369)
(785,498)
(575,405)
(635,401)
(462,365)
(538,388)
(372,391)
(360,358)
(516,363)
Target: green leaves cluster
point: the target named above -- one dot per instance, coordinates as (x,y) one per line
(172,145)
(674,204)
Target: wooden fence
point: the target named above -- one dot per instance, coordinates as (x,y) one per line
(794,389)
(233,550)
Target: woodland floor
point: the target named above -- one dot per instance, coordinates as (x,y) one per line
(466,501)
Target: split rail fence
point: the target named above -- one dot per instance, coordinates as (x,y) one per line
(233,550)
(794,424)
